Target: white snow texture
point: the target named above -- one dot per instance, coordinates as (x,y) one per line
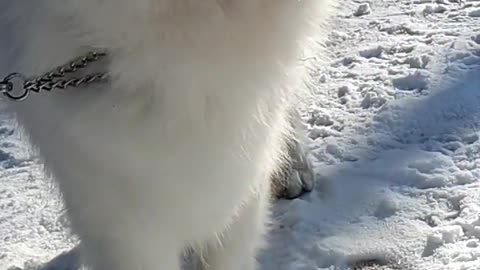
(394,131)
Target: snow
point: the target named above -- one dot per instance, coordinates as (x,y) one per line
(394,132)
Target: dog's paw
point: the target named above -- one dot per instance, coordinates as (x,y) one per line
(296,176)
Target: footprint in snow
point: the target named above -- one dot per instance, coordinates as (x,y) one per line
(419,80)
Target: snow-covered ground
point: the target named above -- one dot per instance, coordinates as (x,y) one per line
(394,125)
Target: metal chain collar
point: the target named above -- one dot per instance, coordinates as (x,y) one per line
(54,79)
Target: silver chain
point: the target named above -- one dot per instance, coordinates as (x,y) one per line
(54,79)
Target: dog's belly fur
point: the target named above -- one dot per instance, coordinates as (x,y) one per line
(178,148)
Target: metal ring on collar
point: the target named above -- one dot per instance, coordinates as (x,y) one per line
(7,87)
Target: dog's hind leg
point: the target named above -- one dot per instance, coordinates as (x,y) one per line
(296,175)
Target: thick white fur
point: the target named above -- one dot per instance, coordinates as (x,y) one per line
(177,150)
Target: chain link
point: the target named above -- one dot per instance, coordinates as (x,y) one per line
(54,79)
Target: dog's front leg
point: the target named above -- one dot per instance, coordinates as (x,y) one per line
(120,253)
(236,247)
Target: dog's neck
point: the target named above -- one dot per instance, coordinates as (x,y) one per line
(210,43)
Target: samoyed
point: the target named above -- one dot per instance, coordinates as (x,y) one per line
(177,149)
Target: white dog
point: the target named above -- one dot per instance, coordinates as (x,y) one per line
(177,149)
